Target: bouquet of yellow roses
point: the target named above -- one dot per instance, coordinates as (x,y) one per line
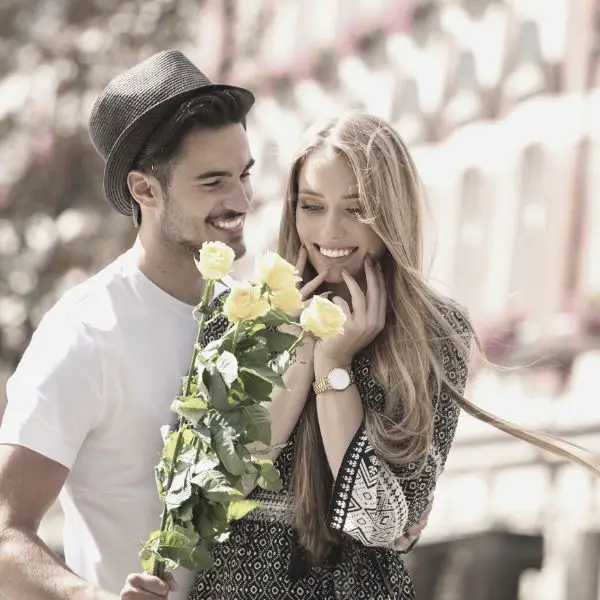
(205,464)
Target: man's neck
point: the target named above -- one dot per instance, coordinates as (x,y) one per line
(173,272)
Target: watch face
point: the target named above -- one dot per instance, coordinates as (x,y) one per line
(339,378)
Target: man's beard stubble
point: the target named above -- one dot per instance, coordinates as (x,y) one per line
(173,236)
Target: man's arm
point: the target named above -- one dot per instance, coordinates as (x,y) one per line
(29,570)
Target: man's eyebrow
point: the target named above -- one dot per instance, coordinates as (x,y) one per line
(211,174)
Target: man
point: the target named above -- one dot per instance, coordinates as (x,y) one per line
(87,401)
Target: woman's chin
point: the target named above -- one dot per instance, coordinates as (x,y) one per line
(335,274)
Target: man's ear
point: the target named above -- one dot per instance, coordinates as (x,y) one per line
(144,188)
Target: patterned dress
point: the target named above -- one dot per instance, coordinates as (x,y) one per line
(372,503)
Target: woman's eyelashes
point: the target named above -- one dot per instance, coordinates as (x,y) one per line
(310,207)
(355,211)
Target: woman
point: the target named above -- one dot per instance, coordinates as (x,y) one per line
(370,415)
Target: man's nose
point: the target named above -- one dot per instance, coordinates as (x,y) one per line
(240,198)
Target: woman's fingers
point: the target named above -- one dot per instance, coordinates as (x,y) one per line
(383,297)
(343,305)
(313,285)
(301,260)
(373,291)
(356,294)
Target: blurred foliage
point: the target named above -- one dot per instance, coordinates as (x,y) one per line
(55,56)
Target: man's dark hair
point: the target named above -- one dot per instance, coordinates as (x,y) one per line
(210,110)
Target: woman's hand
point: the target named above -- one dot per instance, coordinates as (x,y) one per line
(365,319)
(141,586)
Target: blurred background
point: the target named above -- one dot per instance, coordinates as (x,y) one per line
(499,102)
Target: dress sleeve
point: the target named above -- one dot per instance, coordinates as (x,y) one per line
(375,502)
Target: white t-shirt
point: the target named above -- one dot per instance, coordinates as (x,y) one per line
(91,392)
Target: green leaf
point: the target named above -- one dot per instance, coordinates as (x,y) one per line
(271,486)
(200,559)
(203,433)
(179,492)
(206,463)
(186,439)
(275,318)
(258,423)
(257,353)
(190,407)
(238,509)
(264,373)
(210,520)
(219,395)
(185,513)
(268,469)
(215,486)
(279,342)
(227,366)
(224,436)
(208,352)
(256,387)
(270,478)
(281,363)
(249,479)
(176,547)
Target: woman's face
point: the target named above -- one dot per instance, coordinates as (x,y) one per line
(327,217)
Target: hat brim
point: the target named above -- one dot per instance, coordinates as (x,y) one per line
(128,145)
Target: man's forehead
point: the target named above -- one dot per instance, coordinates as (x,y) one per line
(214,146)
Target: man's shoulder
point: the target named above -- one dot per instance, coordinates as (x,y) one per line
(92,302)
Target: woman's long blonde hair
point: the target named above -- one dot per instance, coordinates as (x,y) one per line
(406,354)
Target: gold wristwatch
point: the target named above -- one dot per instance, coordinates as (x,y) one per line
(337,379)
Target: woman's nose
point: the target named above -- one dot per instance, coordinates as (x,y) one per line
(333,227)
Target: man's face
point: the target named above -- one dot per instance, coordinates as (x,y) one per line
(210,190)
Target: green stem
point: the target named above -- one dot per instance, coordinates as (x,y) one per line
(298,341)
(159,567)
(236,332)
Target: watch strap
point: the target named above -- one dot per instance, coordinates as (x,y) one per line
(323,384)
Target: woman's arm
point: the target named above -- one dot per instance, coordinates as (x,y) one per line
(340,414)
(377,503)
(287,404)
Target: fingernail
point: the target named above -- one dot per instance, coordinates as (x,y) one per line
(368,258)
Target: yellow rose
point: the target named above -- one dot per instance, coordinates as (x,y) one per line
(289,300)
(245,303)
(323,318)
(216,260)
(275,272)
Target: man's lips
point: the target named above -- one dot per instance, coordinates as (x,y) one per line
(228,223)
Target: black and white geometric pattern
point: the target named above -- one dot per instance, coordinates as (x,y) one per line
(372,504)
(376,503)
